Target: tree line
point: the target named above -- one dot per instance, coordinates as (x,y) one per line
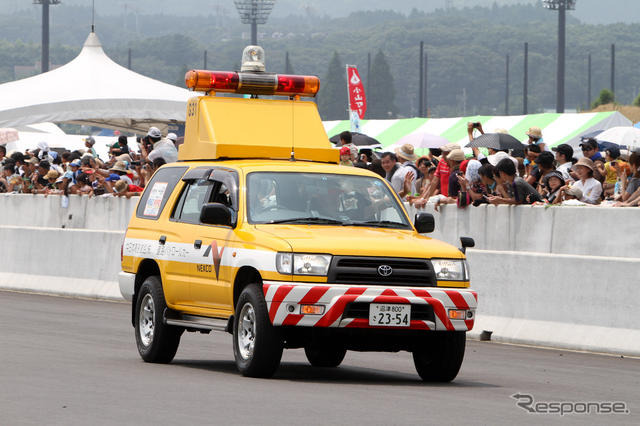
(466,51)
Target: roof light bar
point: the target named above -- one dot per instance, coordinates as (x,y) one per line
(252,83)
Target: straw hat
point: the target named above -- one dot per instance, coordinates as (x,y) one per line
(534,132)
(406,152)
(119,167)
(584,162)
(456,155)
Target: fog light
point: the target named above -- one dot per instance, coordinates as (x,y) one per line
(312,309)
(457,314)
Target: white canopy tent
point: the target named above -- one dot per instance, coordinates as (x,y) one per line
(93,90)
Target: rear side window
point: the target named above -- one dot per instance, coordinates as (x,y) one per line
(158,191)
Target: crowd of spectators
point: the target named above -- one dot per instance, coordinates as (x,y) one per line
(124,173)
(534,175)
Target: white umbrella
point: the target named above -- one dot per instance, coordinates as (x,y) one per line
(422,140)
(622,135)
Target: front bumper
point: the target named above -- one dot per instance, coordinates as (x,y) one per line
(284,301)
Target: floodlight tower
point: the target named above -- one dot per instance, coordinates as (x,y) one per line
(561,6)
(45,30)
(254,12)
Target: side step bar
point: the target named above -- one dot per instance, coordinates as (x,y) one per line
(199,323)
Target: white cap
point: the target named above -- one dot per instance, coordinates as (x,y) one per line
(172,136)
(154,132)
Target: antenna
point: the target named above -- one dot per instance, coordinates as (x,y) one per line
(93,16)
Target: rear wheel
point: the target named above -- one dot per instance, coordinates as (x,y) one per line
(320,355)
(156,341)
(257,344)
(440,358)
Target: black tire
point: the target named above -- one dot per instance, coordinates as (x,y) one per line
(324,355)
(440,358)
(161,344)
(262,357)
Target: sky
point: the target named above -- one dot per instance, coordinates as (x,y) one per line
(588,11)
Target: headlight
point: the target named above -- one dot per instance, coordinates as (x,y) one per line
(451,269)
(303,263)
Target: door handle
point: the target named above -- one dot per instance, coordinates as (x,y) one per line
(162,240)
(197,244)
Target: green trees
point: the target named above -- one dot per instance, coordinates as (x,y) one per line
(332,98)
(606,97)
(381,96)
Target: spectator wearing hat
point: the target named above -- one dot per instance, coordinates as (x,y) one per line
(173,138)
(590,149)
(517,190)
(119,172)
(409,172)
(122,189)
(345,156)
(564,159)
(590,187)
(535,137)
(345,140)
(544,165)
(612,170)
(454,159)
(551,187)
(89,142)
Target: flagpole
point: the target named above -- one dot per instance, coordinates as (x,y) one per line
(346,70)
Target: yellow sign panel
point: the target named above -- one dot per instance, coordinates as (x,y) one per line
(225,127)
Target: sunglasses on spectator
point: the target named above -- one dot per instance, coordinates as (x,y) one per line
(587,148)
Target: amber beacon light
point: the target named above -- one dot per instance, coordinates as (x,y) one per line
(252,83)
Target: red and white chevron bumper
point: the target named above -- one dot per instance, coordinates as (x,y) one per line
(285,299)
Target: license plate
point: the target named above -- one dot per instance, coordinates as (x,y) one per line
(389,315)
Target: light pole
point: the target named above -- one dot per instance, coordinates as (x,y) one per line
(254,12)
(561,6)
(45,31)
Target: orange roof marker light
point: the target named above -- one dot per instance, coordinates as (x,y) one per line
(252,79)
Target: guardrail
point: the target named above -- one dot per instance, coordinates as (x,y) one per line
(562,277)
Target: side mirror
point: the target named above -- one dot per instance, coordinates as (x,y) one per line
(424,223)
(466,242)
(216,214)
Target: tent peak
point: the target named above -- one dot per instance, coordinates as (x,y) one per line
(92,41)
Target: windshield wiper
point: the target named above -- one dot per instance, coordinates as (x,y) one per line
(379,224)
(318,220)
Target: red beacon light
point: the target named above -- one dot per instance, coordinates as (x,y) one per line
(252,79)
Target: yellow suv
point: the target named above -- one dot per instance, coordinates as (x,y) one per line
(258,232)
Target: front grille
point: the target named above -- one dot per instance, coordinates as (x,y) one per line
(364,270)
(361,310)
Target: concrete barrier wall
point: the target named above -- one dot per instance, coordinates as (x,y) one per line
(566,301)
(74,262)
(589,231)
(112,213)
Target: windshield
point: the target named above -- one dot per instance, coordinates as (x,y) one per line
(322,199)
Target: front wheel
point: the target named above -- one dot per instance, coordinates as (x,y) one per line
(440,357)
(257,344)
(156,341)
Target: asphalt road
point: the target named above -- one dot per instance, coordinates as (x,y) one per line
(70,361)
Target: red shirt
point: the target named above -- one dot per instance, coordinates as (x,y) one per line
(443,172)
(135,188)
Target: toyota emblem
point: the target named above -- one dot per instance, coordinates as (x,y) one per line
(385,270)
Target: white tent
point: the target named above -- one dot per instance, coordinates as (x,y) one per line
(93,90)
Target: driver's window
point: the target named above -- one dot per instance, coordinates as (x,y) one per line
(193,197)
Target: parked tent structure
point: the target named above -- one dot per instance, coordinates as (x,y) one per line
(556,128)
(92,89)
